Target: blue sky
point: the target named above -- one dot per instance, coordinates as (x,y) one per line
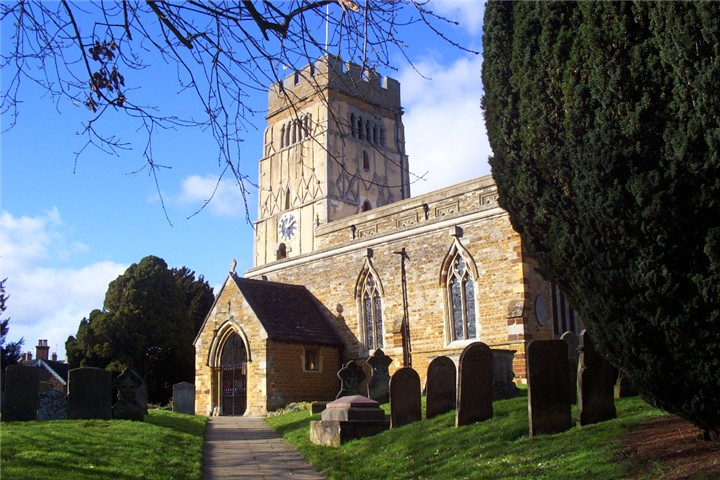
(70,227)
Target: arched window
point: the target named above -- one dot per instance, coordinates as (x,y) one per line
(281,251)
(461,300)
(353,127)
(366,206)
(371,305)
(366,161)
(282,137)
(287,199)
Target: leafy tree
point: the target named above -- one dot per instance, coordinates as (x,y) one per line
(91,55)
(147,324)
(10,352)
(603,120)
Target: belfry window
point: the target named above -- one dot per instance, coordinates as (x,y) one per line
(461,300)
(366,161)
(372,313)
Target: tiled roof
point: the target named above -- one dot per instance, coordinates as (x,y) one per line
(288,313)
(58,369)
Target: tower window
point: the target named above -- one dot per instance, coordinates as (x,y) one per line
(281,251)
(366,206)
(366,161)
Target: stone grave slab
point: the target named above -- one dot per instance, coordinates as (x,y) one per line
(89,393)
(348,418)
(475,385)
(503,374)
(405,406)
(184,398)
(573,342)
(21,394)
(441,386)
(548,398)
(379,385)
(127,406)
(596,384)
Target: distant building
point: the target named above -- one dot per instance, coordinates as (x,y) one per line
(346,261)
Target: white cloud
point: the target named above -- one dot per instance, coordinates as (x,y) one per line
(225,197)
(444,127)
(47,302)
(468,13)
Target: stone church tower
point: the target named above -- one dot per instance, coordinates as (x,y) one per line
(334,146)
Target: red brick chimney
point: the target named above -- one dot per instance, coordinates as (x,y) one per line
(42,350)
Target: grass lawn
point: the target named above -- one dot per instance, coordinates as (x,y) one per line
(165,446)
(499,448)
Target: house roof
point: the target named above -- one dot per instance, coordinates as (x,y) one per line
(287,312)
(58,369)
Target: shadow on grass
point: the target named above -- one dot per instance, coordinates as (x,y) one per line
(189,424)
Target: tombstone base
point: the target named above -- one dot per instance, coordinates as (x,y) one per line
(333,433)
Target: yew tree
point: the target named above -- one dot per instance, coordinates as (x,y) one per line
(603,121)
(148,323)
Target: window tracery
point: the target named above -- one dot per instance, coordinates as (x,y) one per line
(461,299)
(369,130)
(372,313)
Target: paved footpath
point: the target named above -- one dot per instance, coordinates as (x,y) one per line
(246,447)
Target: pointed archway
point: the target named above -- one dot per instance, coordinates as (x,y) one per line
(233,371)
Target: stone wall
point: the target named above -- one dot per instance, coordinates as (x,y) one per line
(290,382)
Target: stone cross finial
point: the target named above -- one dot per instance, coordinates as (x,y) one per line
(233,265)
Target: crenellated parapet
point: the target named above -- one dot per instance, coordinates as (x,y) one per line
(330,72)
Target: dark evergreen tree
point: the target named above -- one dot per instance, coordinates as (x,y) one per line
(10,352)
(147,324)
(603,120)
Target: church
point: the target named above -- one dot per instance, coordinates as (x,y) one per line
(347,262)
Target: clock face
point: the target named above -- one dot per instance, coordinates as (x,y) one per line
(288,226)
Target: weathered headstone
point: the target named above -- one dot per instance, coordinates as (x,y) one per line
(184,398)
(20,398)
(89,393)
(596,384)
(624,386)
(52,405)
(127,406)
(441,382)
(378,387)
(405,406)
(503,374)
(351,376)
(141,396)
(573,356)
(475,385)
(548,398)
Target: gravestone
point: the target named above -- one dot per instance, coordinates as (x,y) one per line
(52,405)
(351,376)
(184,398)
(127,406)
(89,393)
(141,396)
(624,386)
(405,406)
(596,384)
(503,374)
(573,356)
(475,385)
(378,387)
(548,398)
(441,382)
(348,418)
(20,397)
